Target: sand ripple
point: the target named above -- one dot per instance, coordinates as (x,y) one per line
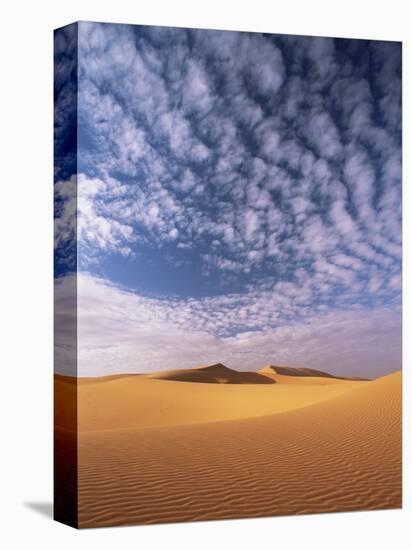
(341,454)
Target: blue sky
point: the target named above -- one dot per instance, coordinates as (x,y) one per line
(238,193)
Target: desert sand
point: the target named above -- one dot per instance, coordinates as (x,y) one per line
(213,443)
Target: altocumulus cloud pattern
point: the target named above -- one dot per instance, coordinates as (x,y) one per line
(239,200)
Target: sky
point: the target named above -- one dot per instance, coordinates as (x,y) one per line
(236,197)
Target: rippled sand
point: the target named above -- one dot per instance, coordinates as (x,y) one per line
(161,450)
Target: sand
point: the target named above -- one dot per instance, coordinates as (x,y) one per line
(156,450)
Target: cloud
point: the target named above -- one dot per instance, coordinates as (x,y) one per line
(197,95)
(200,123)
(323,135)
(89,222)
(121,331)
(322,52)
(65,101)
(263,64)
(258,161)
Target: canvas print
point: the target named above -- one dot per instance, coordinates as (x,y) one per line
(227,274)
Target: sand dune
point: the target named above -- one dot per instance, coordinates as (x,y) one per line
(173,451)
(289,371)
(302,375)
(128,402)
(212,374)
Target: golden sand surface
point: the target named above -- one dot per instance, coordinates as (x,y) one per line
(164,448)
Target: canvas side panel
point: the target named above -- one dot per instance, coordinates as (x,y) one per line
(65,274)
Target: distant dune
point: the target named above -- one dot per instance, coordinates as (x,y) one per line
(212,374)
(278,374)
(162,399)
(288,371)
(153,449)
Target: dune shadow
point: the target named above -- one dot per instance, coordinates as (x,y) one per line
(43,508)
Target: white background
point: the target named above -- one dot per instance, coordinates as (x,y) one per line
(26,272)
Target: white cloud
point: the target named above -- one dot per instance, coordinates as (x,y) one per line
(65,201)
(323,135)
(263,64)
(321,51)
(271,172)
(197,95)
(96,228)
(160,106)
(120,331)
(360,176)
